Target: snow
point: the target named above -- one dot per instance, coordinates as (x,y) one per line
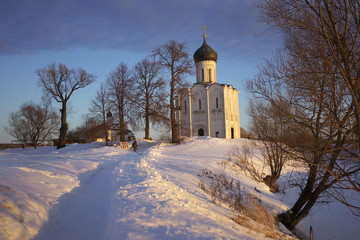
(88,191)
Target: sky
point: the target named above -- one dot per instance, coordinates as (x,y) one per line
(99,35)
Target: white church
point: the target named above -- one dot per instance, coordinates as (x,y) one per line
(208,108)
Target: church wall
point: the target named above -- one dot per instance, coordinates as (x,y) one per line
(218,119)
(217,113)
(184,115)
(199,109)
(232,117)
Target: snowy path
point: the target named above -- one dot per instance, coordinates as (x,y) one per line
(127,181)
(150,206)
(82,214)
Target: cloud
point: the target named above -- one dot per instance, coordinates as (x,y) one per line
(33,25)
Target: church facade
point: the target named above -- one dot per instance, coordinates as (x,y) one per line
(208,108)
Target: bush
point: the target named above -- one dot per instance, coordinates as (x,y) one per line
(263,161)
(225,190)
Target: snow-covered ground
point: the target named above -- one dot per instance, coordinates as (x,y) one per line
(86,191)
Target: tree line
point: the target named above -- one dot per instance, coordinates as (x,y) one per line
(140,96)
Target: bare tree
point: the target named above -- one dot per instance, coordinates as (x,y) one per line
(269,125)
(60,82)
(150,94)
(244,133)
(33,124)
(332,23)
(317,77)
(17,128)
(100,107)
(177,62)
(120,85)
(262,160)
(89,131)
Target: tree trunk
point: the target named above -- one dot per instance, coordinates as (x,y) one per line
(291,217)
(63,127)
(174,127)
(105,131)
(147,119)
(122,123)
(309,195)
(270,182)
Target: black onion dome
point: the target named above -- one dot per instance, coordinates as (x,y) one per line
(205,53)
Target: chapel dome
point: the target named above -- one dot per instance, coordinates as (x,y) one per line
(205,53)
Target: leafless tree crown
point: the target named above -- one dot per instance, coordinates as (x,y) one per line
(59,82)
(314,85)
(177,62)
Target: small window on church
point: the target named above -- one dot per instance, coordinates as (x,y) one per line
(217,102)
(210,75)
(185,106)
(202,75)
(199,104)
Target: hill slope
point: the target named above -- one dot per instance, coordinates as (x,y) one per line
(91,192)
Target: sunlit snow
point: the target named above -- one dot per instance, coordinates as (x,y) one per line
(88,191)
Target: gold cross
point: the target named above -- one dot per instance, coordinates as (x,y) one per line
(204,31)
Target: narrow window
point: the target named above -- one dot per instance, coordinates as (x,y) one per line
(202,75)
(199,104)
(217,102)
(185,106)
(210,75)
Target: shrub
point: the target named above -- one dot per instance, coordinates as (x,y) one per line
(251,213)
(263,161)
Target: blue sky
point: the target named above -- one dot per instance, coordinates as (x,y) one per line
(98,35)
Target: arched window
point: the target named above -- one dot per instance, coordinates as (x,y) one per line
(185,106)
(199,104)
(202,75)
(210,77)
(217,102)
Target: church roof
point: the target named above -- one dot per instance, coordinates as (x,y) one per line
(207,85)
(205,53)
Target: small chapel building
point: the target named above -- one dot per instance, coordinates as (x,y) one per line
(208,108)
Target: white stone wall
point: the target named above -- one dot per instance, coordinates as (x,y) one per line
(216,93)
(184,115)
(213,108)
(199,109)
(232,115)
